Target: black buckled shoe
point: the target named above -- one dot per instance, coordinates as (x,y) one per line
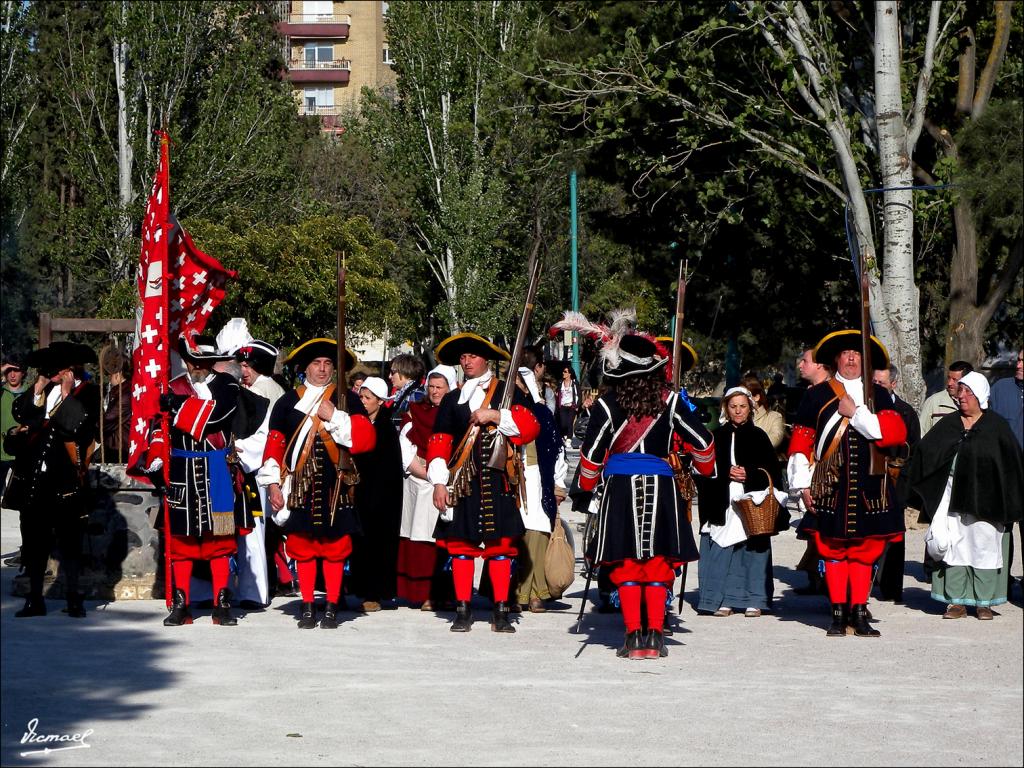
(180,611)
(859,622)
(500,622)
(34,606)
(222,612)
(634,641)
(838,626)
(330,619)
(653,648)
(463,618)
(307,616)
(76,605)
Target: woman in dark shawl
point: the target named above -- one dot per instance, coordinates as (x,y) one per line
(735,571)
(968,479)
(379,506)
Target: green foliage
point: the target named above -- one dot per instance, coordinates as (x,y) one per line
(991,172)
(287,276)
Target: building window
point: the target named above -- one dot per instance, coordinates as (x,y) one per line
(317,100)
(386,58)
(323,8)
(318,53)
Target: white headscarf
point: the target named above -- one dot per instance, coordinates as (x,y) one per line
(722,419)
(978,384)
(447,372)
(377,386)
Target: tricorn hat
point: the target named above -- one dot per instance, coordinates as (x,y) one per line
(200,349)
(635,355)
(60,355)
(259,355)
(839,341)
(308,351)
(451,349)
(687,354)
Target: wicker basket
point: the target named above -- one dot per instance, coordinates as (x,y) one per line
(759,519)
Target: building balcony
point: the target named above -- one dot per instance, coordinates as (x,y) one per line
(315,25)
(319,110)
(304,71)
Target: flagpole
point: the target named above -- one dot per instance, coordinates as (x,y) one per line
(165,367)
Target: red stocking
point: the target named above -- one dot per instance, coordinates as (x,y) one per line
(462,577)
(837,576)
(860,582)
(655,597)
(307,578)
(183,576)
(501,577)
(220,569)
(333,573)
(629,599)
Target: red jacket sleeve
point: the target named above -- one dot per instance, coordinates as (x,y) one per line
(802,441)
(275,448)
(703,458)
(527,423)
(439,446)
(364,436)
(589,473)
(894,430)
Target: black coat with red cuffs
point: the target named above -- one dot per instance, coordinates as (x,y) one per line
(200,425)
(489,512)
(313,516)
(643,515)
(858,504)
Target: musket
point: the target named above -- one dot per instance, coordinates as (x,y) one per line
(877,466)
(348,475)
(680,469)
(462,469)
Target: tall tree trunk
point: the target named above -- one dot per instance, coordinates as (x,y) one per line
(124,155)
(902,298)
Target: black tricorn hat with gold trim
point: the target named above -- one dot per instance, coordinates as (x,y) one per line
(451,349)
(308,351)
(840,341)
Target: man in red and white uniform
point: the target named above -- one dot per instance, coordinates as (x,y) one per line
(850,512)
(486,522)
(300,472)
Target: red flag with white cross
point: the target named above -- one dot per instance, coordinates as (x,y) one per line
(179,287)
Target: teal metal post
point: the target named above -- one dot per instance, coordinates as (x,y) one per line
(575,276)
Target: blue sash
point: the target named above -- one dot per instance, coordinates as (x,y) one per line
(636,464)
(222,490)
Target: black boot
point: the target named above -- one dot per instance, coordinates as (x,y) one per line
(222,611)
(76,605)
(307,616)
(838,626)
(500,622)
(330,619)
(34,606)
(634,641)
(654,646)
(859,622)
(180,612)
(463,617)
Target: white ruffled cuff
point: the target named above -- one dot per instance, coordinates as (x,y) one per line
(340,428)
(799,472)
(269,474)
(507,426)
(866,422)
(437,472)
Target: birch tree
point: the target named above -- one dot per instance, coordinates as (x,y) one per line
(800,101)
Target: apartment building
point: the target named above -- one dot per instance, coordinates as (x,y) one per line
(333,48)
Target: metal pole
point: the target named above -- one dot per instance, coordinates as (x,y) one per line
(575,277)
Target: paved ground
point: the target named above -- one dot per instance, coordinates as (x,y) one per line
(397,687)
